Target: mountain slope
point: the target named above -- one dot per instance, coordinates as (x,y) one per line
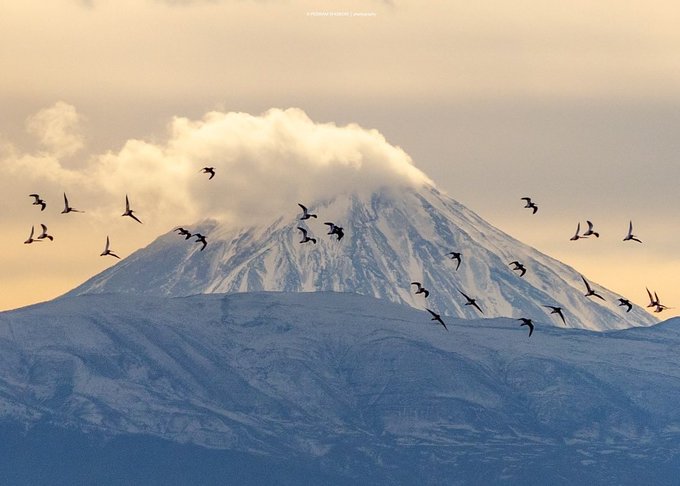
(348,387)
(392,237)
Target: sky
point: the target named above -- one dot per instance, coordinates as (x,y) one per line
(575,104)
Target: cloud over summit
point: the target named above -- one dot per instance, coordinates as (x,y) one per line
(263,162)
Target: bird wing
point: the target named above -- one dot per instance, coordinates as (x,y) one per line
(426,292)
(65,202)
(578,228)
(135,218)
(630,228)
(32,232)
(559,312)
(304,209)
(44,228)
(434,314)
(480,310)
(463,294)
(304,232)
(650,296)
(587,284)
(127,204)
(590,226)
(106,248)
(417,283)
(531,328)
(535,208)
(527,199)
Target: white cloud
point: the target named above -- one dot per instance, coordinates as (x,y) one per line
(264,164)
(58,128)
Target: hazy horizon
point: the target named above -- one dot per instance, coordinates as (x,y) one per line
(574,105)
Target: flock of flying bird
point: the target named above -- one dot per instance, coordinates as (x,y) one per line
(338,231)
(129,212)
(517,266)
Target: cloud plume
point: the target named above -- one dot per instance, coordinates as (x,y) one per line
(263,163)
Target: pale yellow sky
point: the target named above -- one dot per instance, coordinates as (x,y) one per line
(576,103)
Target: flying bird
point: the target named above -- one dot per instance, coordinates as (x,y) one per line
(472,302)
(576,235)
(183,232)
(455,256)
(107,250)
(655,302)
(208,170)
(530,204)
(590,231)
(335,230)
(590,291)
(69,209)
(128,211)
(527,322)
(421,289)
(437,317)
(626,303)
(44,234)
(30,238)
(306,214)
(306,238)
(556,310)
(518,266)
(201,239)
(38,201)
(630,235)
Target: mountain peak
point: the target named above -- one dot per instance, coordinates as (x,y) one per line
(392,237)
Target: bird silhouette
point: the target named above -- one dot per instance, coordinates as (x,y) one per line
(30,238)
(128,211)
(306,214)
(38,201)
(530,204)
(626,303)
(656,302)
(630,235)
(183,232)
(421,289)
(556,310)
(527,322)
(590,231)
(335,230)
(69,209)
(518,266)
(107,250)
(653,301)
(44,234)
(208,170)
(576,235)
(306,238)
(201,239)
(590,291)
(470,301)
(437,317)
(455,256)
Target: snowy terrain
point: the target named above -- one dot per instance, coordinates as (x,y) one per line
(328,388)
(392,237)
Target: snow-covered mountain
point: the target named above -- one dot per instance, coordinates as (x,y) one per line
(392,237)
(325,388)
